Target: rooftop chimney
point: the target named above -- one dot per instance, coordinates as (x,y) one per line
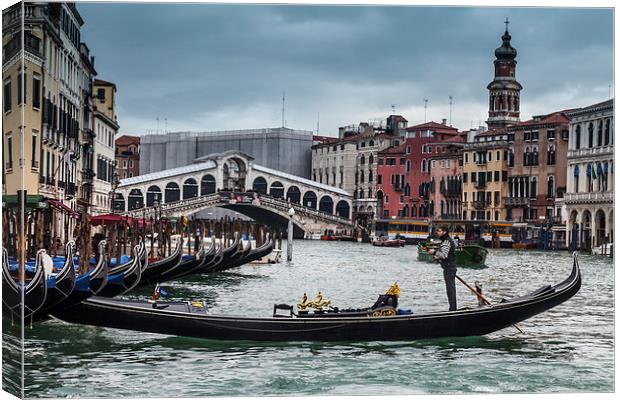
(443,121)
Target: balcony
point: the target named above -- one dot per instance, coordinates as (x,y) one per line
(595,197)
(480,204)
(591,151)
(450,216)
(89,132)
(88,174)
(516,201)
(480,185)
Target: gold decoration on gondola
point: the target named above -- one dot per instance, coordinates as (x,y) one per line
(303,303)
(318,303)
(394,290)
(383,312)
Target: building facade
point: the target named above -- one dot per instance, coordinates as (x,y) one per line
(404,172)
(47,80)
(485,179)
(127,155)
(446,178)
(536,167)
(590,175)
(105,128)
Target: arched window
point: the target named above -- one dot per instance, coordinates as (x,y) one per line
(342,209)
(607,129)
(190,188)
(310,199)
(293,194)
(260,185)
(361,176)
(578,137)
(153,194)
(590,135)
(207,185)
(576,180)
(533,188)
(173,193)
(277,190)
(326,205)
(370,176)
(371,159)
(424,165)
(362,160)
(550,187)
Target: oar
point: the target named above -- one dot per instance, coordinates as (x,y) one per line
(481,297)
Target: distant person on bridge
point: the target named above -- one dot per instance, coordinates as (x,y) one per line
(446,255)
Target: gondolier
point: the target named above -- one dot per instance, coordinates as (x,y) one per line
(445,254)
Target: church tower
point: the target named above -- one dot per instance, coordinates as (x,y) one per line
(504,91)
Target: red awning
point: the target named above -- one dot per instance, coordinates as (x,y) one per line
(109,219)
(59,205)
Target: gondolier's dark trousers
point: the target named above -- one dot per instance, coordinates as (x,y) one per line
(449,276)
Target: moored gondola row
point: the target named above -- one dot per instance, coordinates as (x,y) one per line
(55,285)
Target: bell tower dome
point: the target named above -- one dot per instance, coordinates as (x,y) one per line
(504,90)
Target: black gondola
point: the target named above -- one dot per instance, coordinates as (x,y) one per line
(34,294)
(122,280)
(187,263)
(215,260)
(98,276)
(83,288)
(228,253)
(154,270)
(191,319)
(208,257)
(60,285)
(255,254)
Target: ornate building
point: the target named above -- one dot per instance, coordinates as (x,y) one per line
(590,174)
(504,90)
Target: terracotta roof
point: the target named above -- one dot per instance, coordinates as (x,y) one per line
(553,118)
(394,149)
(127,139)
(434,126)
(101,82)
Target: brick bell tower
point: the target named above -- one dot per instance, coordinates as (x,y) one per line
(504,91)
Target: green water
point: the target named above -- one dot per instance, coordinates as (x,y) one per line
(567,349)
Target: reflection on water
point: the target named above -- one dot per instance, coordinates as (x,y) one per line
(11,358)
(574,339)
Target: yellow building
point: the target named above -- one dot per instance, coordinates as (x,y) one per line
(45,94)
(485,180)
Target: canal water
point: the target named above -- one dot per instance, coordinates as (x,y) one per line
(567,349)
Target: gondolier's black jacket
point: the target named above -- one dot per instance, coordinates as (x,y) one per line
(446,253)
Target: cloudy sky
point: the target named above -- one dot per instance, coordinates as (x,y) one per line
(215,66)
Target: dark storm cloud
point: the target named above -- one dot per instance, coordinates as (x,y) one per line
(208,67)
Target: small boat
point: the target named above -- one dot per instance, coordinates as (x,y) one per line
(385,242)
(34,291)
(468,255)
(525,244)
(125,277)
(382,323)
(471,256)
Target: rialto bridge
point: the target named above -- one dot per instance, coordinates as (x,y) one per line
(231,180)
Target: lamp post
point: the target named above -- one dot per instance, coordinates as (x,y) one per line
(289,239)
